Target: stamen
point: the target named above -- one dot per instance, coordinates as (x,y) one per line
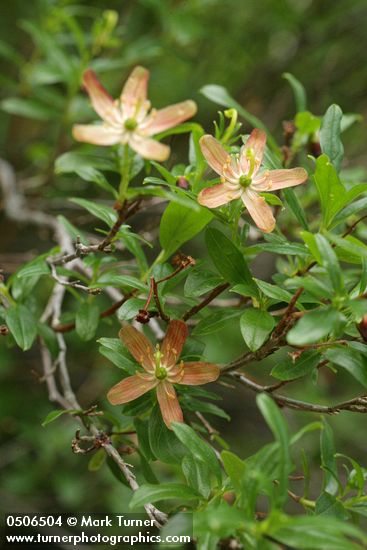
(169,393)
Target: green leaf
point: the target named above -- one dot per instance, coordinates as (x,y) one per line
(316,532)
(163,442)
(310,240)
(288,369)
(272,199)
(34,268)
(349,211)
(142,431)
(97,461)
(139,406)
(328,462)
(276,423)
(198,447)
(73,161)
(235,469)
(53,415)
(29,108)
(298,91)
(86,321)
(286,248)
(295,206)
(179,224)
(227,258)
(330,140)
(274,292)
(330,261)
(215,321)
(119,281)
(307,123)
(350,360)
(115,352)
(350,245)
(192,404)
(256,326)
(219,95)
(100,211)
(164,491)
(313,326)
(49,338)
(328,505)
(22,324)
(200,281)
(197,475)
(116,472)
(87,167)
(329,187)
(130,309)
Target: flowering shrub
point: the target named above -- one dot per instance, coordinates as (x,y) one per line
(183,278)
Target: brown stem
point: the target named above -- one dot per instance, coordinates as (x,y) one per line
(143,315)
(154,286)
(67,327)
(357,404)
(213,294)
(273,342)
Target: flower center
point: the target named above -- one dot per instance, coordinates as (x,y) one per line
(160,371)
(245,181)
(130,124)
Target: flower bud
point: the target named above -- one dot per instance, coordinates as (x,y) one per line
(182,183)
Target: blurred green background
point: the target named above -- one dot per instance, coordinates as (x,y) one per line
(243,45)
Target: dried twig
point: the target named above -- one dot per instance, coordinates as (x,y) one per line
(14,203)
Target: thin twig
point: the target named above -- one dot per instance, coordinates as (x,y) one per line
(67,327)
(213,294)
(274,341)
(14,204)
(357,404)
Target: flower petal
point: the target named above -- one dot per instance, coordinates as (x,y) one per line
(279,179)
(169,117)
(259,210)
(173,342)
(101,100)
(136,86)
(97,134)
(149,148)
(168,403)
(216,196)
(198,372)
(214,153)
(139,346)
(256,142)
(130,388)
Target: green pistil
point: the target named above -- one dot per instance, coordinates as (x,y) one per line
(160,372)
(245,181)
(251,158)
(130,124)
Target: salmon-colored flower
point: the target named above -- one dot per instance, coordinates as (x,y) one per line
(241,178)
(162,370)
(127,120)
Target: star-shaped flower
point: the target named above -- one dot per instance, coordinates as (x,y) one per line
(162,370)
(241,178)
(129,120)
